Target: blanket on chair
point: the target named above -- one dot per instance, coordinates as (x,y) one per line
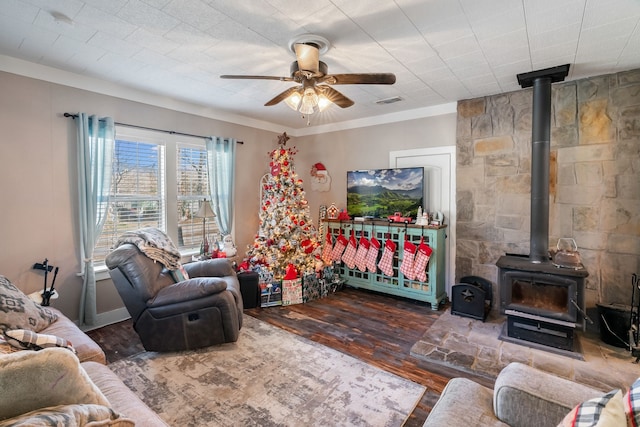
(155,244)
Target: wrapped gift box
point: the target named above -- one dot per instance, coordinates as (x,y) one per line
(311,287)
(270,294)
(292,291)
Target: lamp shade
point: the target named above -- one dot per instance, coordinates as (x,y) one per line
(205,210)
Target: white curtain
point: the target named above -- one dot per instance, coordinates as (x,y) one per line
(221,164)
(96,140)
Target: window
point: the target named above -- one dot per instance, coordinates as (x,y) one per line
(158,180)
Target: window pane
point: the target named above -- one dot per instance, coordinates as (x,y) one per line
(136,192)
(192,190)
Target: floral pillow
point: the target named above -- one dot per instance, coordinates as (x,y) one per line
(18,311)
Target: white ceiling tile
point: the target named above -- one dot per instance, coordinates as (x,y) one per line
(147,17)
(556,36)
(197,13)
(447,31)
(601,11)
(76,30)
(100,20)
(152,41)
(111,7)
(299,10)
(114,44)
(440,50)
(19,10)
(543,16)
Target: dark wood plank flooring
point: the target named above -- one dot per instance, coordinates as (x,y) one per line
(375,328)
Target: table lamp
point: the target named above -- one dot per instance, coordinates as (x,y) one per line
(205,212)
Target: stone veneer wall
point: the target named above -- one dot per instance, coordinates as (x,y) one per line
(594,180)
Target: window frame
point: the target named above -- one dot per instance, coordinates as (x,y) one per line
(169,192)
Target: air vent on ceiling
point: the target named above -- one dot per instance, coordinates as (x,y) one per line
(389,100)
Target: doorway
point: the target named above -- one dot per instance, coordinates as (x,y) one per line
(440,187)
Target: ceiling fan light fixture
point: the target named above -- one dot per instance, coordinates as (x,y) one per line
(323,103)
(309,101)
(293,101)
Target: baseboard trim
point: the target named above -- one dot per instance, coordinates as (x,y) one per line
(108,318)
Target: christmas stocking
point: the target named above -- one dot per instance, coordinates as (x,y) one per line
(349,255)
(421,261)
(386,260)
(338,247)
(372,255)
(408,255)
(361,254)
(328,248)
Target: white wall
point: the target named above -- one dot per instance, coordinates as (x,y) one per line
(365,148)
(38,215)
(38,178)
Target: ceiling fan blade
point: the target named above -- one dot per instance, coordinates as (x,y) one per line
(362,78)
(334,96)
(308,57)
(282,96)
(231,76)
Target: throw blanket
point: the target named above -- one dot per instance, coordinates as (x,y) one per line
(154,244)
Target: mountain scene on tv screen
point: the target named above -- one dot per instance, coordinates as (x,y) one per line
(379,193)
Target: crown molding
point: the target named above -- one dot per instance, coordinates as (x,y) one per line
(54,75)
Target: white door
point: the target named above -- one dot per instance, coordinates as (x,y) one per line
(440,186)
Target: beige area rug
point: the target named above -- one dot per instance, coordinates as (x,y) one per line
(474,347)
(270,377)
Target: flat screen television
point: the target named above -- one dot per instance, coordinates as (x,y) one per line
(378,193)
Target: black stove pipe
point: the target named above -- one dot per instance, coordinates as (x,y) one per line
(540,156)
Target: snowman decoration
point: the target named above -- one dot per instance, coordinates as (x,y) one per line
(229,247)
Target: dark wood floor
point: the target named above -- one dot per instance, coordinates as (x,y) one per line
(375,328)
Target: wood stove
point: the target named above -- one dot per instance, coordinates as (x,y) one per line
(544,304)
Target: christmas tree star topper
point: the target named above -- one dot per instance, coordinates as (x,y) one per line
(282,139)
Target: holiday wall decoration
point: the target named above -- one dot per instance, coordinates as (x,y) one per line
(286,234)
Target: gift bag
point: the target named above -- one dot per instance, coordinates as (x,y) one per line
(386,260)
(328,248)
(338,247)
(292,291)
(361,254)
(372,255)
(422,259)
(349,255)
(408,255)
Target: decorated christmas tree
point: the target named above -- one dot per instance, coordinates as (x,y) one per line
(286,234)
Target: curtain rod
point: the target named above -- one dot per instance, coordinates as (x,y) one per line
(73,116)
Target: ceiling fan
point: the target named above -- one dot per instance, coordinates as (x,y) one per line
(314,92)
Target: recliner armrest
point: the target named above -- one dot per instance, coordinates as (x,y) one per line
(187,290)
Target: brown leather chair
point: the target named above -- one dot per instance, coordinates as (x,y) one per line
(203,310)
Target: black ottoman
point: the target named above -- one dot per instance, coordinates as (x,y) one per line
(249,288)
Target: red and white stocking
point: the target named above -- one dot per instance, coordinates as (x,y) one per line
(421,261)
(349,255)
(408,255)
(372,255)
(361,254)
(386,260)
(338,247)
(328,248)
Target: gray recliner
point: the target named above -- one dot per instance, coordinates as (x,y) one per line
(203,310)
